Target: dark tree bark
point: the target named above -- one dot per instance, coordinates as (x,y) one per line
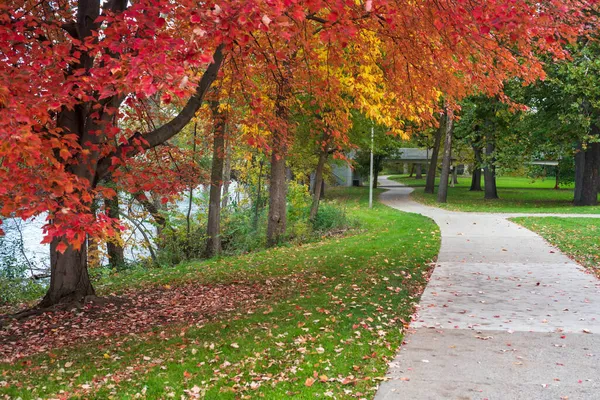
(226,175)
(377,167)
(587,171)
(489,172)
(116,253)
(257,204)
(316,200)
(454,176)
(476,175)
(188,215)
(419,171)
(69,281)
(579,171)
(447,160)
(213,226)
(276,222)
(151,207)
(587,175)
(277,198)
(431,172)
(412,170)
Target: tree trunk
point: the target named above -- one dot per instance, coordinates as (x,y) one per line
(419,172)
(258,196)
(114,248)
(276,222)
(431,172)
(314,209)
(588,174)
(226,175)
(277,198)
(489,172)
(454,176)
(447,160)
(150,205)
(412,170)
(476,176)
(213,225)
(579,171)
(88,120)
(476,180)
(188,215)
(377,166)
(69,280)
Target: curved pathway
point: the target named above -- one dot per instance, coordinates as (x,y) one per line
(504,316)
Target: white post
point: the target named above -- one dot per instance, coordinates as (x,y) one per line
(371,178)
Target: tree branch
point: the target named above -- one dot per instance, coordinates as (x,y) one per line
(171,128)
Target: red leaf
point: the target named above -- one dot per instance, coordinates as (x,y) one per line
(61,247)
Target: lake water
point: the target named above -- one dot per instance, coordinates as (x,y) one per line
(36,254)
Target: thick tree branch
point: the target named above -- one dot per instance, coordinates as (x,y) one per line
(71,29)
(171,128)
(167,131)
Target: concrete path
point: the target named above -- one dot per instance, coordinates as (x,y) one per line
(504,316)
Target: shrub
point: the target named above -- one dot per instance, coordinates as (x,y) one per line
(243,230)
(15,290)
(331,217)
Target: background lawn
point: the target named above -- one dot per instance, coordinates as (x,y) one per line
(329,332)
(516,195)
(579,238)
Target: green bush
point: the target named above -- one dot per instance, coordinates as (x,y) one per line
(243,230)
(331,217)
(298,211)
(19,289)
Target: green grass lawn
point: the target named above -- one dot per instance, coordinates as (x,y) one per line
(516,195)
(579,238)
(329,332)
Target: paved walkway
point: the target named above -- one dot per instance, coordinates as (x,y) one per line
(504,316)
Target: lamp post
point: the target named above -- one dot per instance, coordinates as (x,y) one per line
(371,169)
